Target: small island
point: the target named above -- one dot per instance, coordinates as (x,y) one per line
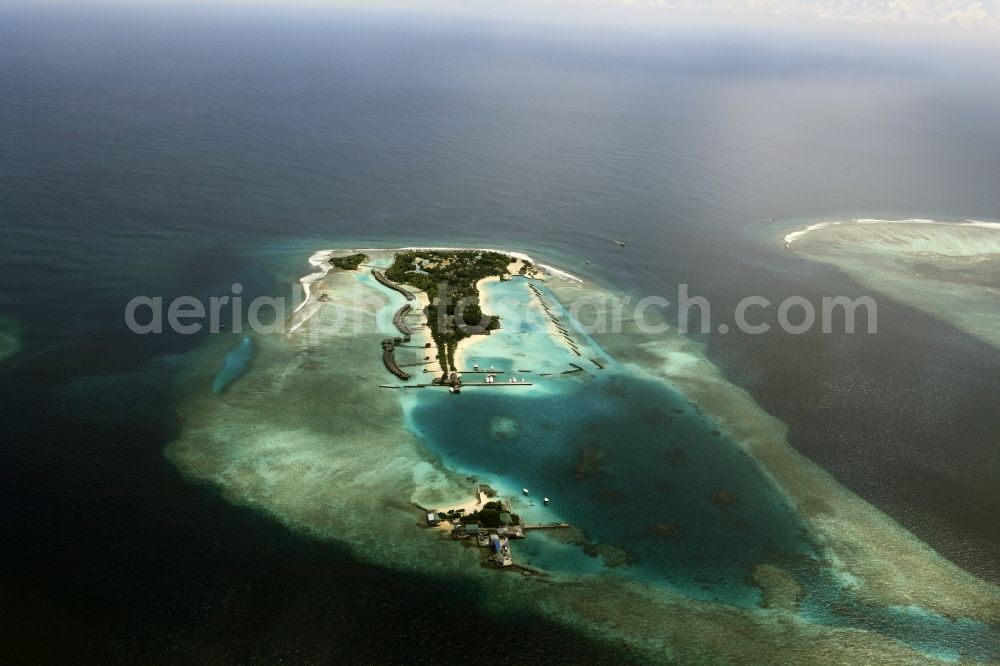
(492,525)
(445,295)
(350,263)
(450,280)
(493,514)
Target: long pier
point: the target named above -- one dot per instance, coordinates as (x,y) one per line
(555,320)
(397,319)
(463,385)
(389,360)
(383,280)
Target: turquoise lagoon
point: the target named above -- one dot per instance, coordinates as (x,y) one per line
(660,494)
(620,456)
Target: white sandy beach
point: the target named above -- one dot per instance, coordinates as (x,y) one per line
(465,345)
(467,507)
(321,261)
(797,235)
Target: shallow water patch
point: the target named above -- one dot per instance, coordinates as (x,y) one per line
(235,364)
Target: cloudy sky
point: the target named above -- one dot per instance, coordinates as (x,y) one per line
(964,13)
(957,12)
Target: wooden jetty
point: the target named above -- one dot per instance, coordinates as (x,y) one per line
(384,281)
(389,360)
(397,319)
(563,331)
(463,385)
(549,526)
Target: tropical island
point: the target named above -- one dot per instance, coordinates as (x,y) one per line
(450,280)
(271,441)
(492,525)
(350,262)
(444,297)
(493,514)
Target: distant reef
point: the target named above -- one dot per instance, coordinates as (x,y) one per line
(950,270)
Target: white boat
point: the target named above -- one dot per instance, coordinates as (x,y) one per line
(546,500)
(524,490)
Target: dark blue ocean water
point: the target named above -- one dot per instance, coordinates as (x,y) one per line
(170,152)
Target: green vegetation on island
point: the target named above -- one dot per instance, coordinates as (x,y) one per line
(449,278)
(350,262)
(491,515)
